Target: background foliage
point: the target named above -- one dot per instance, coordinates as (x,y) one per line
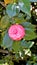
(25,50)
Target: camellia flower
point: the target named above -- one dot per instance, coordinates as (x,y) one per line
(16,32)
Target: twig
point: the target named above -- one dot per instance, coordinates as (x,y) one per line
(2,4)
(4,51)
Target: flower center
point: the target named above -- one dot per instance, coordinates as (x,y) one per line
(15,31)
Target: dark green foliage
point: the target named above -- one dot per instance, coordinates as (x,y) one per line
(10,50)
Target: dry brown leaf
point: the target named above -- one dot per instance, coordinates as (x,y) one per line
(8,1)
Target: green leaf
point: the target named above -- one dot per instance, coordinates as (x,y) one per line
(12,10)
(7,42)
(16,46)
(30,31)
(34,57)
(25,44)
(30,35)
(4,64)
(18,20)
(11,63)
(35,64)
(33,0)
(29,63)
(28,25)
(17,56)
(25,6)
(4,22)
(1,62)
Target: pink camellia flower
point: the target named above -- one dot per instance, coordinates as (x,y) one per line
(16,32)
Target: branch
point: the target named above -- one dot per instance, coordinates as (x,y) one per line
(4,51)
(2,3)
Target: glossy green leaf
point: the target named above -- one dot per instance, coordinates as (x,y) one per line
(7,42)
(30,31)
(12,10)
(25,44)
(28,25)
(33,0)
(25,6)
